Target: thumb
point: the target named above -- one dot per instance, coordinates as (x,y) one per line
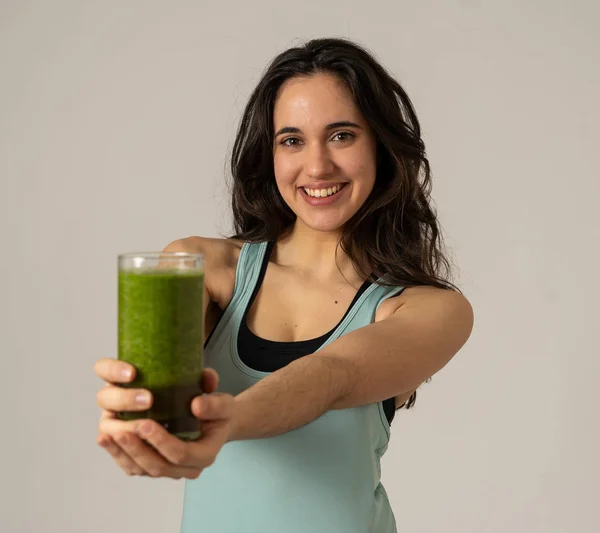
(215,406)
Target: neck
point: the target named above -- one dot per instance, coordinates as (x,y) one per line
(316,254)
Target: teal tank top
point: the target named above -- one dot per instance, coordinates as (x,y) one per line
(324,477)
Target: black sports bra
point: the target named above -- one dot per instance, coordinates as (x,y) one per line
(268,356)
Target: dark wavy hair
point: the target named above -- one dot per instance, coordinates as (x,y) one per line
(394,238)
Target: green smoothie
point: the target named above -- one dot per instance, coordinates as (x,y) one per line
(161,333)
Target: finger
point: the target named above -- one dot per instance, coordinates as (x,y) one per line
(198,454)
(113,398)
(214,406)
(114,371)
(210,380)
(108,415)
(151,461)
(126,463)
(111,425)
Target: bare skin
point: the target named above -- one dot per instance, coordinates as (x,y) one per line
(291,305)
(322,141)
(120,439)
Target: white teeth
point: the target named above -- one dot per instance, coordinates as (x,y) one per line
(322,193)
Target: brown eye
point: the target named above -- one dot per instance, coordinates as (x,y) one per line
(291,141)
(342,136)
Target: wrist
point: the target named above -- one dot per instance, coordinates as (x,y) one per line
(233,429)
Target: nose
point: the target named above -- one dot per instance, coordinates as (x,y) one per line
(318,161)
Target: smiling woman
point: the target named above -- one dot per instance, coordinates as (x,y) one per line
(325,311)
(321,189)
(322,142)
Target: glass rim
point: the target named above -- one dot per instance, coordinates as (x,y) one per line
(161,255)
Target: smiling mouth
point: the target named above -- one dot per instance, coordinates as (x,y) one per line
(323,193)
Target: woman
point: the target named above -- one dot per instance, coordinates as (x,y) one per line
(337,256)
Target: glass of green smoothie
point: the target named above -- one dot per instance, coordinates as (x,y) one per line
(161,333)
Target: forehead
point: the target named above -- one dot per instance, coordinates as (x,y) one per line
(321,98)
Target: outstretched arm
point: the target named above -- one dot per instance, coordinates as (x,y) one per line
(381,360)
(368,365)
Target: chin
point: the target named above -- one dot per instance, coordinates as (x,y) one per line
(327,228)
(325,224)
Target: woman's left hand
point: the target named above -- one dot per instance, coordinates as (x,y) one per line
(144,448)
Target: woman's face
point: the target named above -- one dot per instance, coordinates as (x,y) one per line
(324,151)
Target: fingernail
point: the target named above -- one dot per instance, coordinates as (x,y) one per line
(126,373)
(142,398)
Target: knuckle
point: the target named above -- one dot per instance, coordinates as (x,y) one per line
(103,440)
(210,461)
(123,439)
(156,471)
(158,439)
(100,398)
(180,456)
(105,368)
(194,474)
(115,451)
(162,438)
(112,371)
(134,452)
(119,456)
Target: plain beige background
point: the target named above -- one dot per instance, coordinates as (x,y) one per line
(116,120)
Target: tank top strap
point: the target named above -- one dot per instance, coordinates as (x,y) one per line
(364,310)
(246,276)
(248,267)
(247,273)
(382,293)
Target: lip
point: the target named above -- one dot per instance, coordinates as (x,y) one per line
(322,184)
(327,200)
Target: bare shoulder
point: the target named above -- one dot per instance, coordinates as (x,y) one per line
(432,297)
(220,263)
(220,252)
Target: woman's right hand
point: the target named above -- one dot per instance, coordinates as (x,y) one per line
(113,398)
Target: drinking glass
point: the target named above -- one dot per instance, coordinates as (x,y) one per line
(161,333)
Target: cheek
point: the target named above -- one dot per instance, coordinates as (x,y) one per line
(284,171)
(363,171)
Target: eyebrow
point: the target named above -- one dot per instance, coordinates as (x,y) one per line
(332,126)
